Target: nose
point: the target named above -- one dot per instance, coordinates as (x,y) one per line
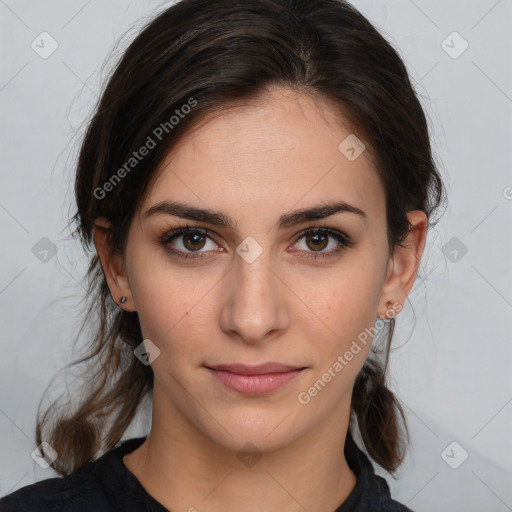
(254,306)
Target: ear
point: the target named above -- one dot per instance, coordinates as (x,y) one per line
(112,264)
(403,266)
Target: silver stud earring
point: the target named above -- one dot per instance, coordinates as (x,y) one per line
(123,300)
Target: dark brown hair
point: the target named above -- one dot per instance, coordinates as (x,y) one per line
(208,55)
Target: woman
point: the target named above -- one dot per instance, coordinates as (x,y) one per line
(258,182)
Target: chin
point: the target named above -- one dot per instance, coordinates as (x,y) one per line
(267,430)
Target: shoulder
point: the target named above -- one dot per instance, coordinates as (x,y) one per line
(376,496)
(371,492)
(55,494)
(389,505)
(85,489)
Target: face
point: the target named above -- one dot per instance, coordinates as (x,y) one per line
(261,286)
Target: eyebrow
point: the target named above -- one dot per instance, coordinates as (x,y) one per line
(185,211)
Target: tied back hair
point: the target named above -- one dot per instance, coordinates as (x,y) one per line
(222,53)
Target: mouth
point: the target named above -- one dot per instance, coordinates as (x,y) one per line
(255,379)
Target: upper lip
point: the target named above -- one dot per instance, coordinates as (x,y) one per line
(259,369)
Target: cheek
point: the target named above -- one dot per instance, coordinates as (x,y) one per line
(348,298)
(158,305)
(348,309)
(175,312)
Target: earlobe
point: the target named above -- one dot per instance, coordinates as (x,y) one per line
(404,262)
(112,264)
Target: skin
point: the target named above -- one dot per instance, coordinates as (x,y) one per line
(254,163)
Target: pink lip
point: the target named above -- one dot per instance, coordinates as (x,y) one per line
(255,380)
(258,369)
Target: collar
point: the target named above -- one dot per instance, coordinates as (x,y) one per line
(125,491)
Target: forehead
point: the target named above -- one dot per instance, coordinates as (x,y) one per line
(281,150)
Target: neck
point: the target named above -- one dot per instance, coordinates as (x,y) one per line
(184,470)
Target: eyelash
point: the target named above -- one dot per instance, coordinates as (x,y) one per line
(343,240)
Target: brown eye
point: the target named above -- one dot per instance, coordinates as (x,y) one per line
(189,243)
(193,241)
(311,243)
(318,241)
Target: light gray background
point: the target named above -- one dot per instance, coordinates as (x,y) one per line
(453,371)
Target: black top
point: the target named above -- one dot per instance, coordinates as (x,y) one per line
(107,485)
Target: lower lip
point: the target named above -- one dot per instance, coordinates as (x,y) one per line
(254,384)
